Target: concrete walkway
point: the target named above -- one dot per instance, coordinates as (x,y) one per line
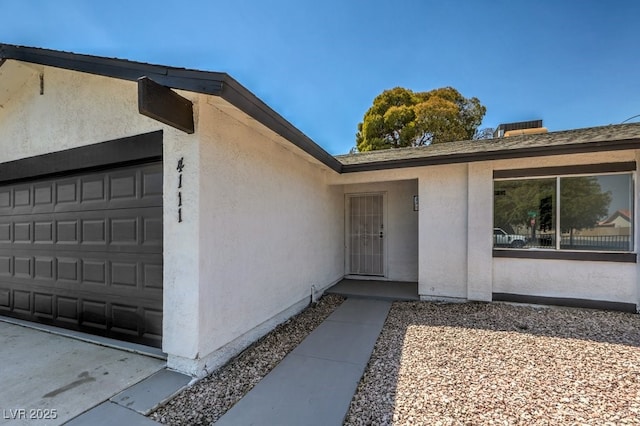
(375,289)
(315,383)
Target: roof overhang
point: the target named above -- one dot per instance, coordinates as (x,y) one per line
(506,154)
(205,82)
(599,139)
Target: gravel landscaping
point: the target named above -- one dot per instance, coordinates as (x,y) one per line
(207,400)
(479,363)
(469,363)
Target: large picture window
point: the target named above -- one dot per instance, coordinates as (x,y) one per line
(585,212)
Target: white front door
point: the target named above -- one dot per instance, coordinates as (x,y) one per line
(366,234)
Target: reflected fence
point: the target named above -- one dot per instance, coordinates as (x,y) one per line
(580,242)
(583,242)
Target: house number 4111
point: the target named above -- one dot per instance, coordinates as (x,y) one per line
(180,168)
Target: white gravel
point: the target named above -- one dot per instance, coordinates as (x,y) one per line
(478,363)
(450,364)
(207,400)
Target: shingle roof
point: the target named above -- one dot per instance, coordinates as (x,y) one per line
(593,139)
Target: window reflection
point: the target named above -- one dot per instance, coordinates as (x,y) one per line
(595,213)
(524,211)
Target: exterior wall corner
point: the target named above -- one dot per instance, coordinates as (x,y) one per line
(479,238)
(181,272)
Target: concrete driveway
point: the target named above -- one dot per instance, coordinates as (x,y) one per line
(47,379)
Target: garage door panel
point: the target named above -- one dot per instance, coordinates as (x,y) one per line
(5,199)
(152,183)
(22,232)
(43,232)
(43,194)
(93,189)
(152,275)
(43,305)
(6,269)
(94,271)
(128,230)
(124,188)
(91,311)
(22,301)
(5,299)
(22,267)
(67,310)
(85,252)
(43,268)
(5,233)
(126,319)
(152,322)
(68,269)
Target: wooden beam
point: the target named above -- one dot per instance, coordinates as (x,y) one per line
(163,104)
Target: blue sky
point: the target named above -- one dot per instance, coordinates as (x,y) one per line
(572,63)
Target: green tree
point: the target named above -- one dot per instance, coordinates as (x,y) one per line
(400,117)
(514,200)
(582,203)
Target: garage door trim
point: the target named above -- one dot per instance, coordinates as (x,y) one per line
(117,152)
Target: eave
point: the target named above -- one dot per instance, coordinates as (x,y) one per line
(205,82)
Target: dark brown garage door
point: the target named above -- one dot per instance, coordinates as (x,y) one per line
(85,252)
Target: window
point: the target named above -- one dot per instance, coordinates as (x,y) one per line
(583,212)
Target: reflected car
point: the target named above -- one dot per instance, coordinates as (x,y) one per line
(502,238)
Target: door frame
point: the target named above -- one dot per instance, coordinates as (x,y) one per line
(347,240)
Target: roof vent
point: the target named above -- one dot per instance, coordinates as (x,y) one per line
(519,128)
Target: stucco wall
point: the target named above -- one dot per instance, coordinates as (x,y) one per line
(605,281)
(269,229)
(401,226)
(443,231)
(75,109)
(263,222)
(259,226)
(455,237)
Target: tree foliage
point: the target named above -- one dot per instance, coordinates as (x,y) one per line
(400,117)
(582,203)
(515,199)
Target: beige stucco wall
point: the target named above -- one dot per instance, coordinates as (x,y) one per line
(76,109)
(401,226)
(605,281)
(455,237)
(269,229)
(260,226)
(443,231)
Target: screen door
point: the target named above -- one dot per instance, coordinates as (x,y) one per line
(366,235)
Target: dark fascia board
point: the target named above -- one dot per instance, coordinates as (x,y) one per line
(587,256)
(539,151)
(237,95)
(206,82)
(628,166)
(565,301)
(177,78)
(129,150)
